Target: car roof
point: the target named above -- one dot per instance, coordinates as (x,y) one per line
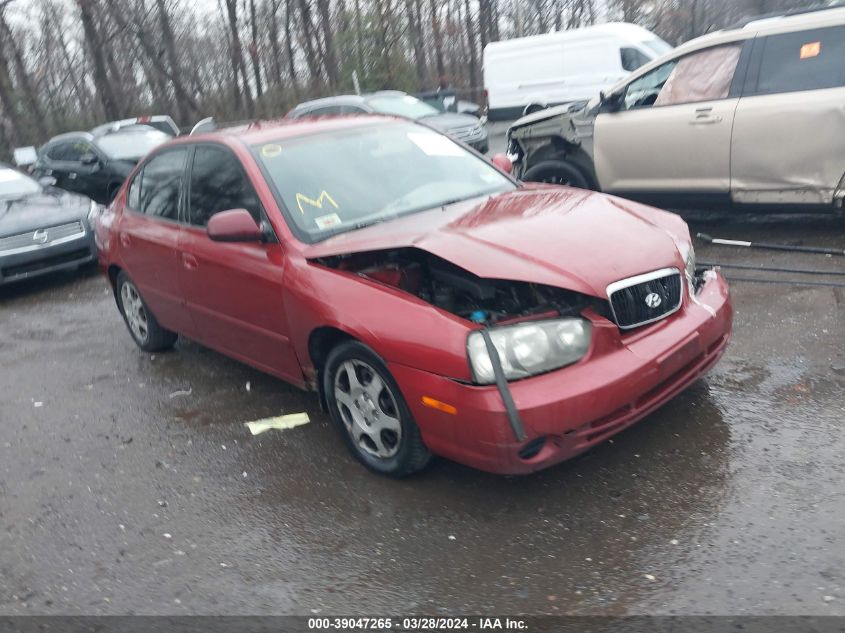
(755,27)
(348,99)
(72,136)
(258,132)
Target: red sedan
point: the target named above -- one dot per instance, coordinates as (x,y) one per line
(435,304)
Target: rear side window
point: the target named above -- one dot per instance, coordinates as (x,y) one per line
(218,183)
(632,58)
(156,189)
(807,60)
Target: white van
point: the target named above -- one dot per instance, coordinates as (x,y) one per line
(529,73)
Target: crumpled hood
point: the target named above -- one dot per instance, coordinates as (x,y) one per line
(548,113)
(558,236)
(49,208)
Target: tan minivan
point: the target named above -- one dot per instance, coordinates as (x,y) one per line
(752,115)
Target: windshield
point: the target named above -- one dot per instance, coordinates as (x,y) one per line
(340,181)
(658,46)
(14,184)
(131,145)
(404,106)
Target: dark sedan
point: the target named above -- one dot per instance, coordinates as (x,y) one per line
(461,127)
(95,165)
(42,229)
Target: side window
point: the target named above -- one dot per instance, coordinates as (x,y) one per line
(218,183)
(156,188)
(351,109)
(807,60)
(702,76)
(632,58)
(70,151)
(643,92)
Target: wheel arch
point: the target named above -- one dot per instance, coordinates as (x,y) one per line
(559,149)
(321,341)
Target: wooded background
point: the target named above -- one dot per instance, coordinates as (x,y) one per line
(70,64)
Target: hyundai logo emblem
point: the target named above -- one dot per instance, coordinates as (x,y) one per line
(40,236)
(653,300)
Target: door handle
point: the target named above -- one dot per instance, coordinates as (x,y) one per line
(705,119)
(72,175)
(189,261)
(125,241)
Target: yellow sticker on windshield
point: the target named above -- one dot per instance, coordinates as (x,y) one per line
(324,196)
(812,49)
(271,151)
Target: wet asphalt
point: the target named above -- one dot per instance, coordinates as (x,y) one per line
(129,485)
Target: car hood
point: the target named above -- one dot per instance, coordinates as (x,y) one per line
(50,207)
(558,236)
(450,120)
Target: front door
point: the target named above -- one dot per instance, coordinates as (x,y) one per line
(671,131)
(148,235)
(234,290)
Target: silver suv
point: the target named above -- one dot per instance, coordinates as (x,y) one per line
(751,115)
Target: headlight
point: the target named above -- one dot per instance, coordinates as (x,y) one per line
(688,253)
(529,348)
(93,211)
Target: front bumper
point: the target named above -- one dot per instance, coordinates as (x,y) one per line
(620,381)
(48,258)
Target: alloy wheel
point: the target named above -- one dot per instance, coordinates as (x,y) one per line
(368,409)
(135,312)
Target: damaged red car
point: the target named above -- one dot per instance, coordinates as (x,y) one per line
(438,306)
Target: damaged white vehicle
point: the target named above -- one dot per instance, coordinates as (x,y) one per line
(751,115)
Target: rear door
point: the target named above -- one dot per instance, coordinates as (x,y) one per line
(148,235)
(234,289)
(672,130)
(789,134)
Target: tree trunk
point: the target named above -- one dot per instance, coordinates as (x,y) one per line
(237,55)
(35,113)
(101,81)
(473,58)
(438,41)
(275,51)
(253,50)
(329,56)
(289,47)
(169,40)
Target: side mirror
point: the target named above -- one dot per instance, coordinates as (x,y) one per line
(609,102)
(47,181)
(88,158)
(235,225)
(502,162)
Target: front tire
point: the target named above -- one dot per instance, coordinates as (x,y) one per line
(557,172)
(145,330)
(368,409)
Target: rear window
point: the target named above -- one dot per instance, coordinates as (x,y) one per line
(807,60)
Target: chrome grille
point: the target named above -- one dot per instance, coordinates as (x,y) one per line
(467,133)
(41,237)
(645,298)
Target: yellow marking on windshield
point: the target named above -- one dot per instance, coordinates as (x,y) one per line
(318,203)
(271,151)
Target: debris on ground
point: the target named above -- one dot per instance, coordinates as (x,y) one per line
(280,423)
(182,392)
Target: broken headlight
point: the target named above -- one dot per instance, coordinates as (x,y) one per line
(688,253)
(530,348)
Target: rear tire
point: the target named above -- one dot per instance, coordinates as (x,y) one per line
(369,411)
(142,325)
(557,172)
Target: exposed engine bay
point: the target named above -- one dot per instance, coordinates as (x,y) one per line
(460,292)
